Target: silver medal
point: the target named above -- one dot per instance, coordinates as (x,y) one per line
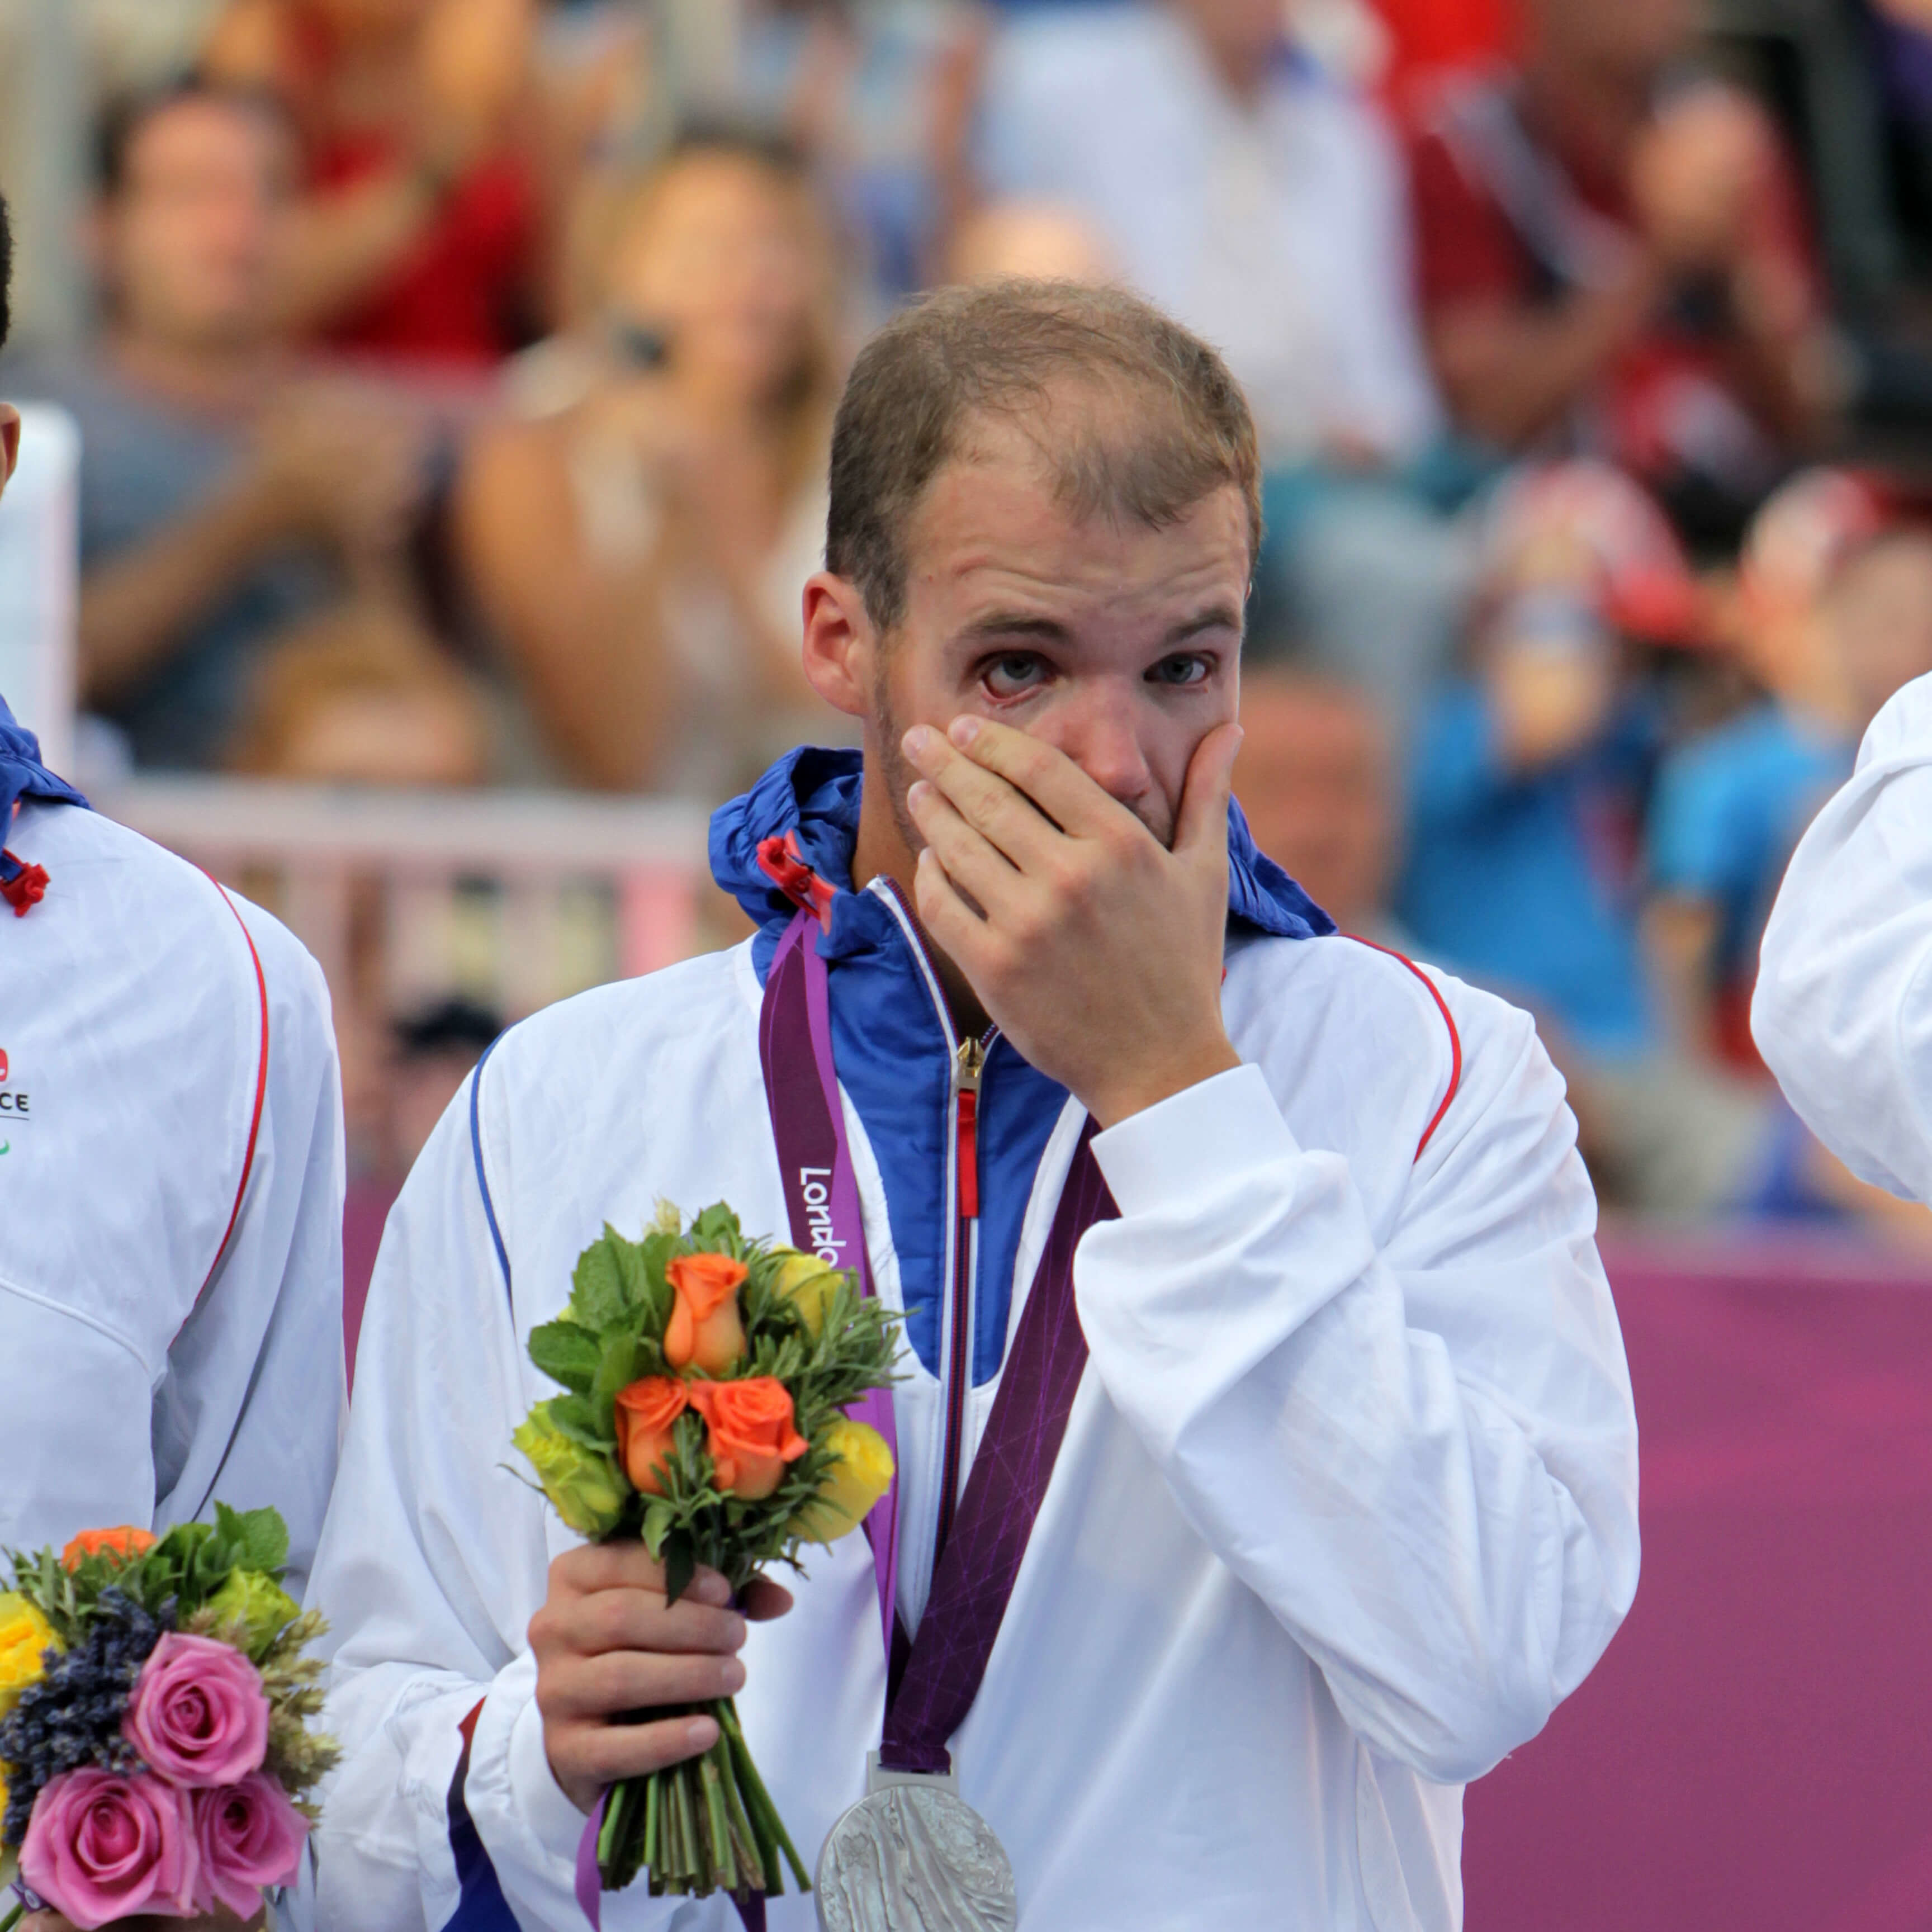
(912,1855)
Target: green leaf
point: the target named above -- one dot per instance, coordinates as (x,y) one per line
(576,1416)
(618,1366)
(654,1305)
(259,1538)
(717,1230)
(658,1520)
(566,1353)
(597,1297)
(680,1562)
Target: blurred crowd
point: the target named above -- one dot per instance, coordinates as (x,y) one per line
(457,410)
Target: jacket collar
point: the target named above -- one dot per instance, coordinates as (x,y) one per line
(810,800)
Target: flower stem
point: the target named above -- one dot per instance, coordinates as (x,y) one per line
(753,1788)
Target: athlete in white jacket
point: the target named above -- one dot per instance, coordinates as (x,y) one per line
(1346,1500)
(1843,1012)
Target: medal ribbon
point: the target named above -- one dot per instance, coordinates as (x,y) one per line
(975,1578)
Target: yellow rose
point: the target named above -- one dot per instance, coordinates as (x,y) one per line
(25,1635)
(861,1476)
(808,1284)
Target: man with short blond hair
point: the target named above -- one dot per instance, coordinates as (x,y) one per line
(1266,1462)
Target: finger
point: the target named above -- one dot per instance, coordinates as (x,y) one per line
(972,863)
(603,1753)
(1047,777)
(1010,822)
(635,1680)
(630,1566)
(953,927)
(638,1620)
(1202,823)
(762,1600)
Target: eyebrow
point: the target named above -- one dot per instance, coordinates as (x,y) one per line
(1051,630)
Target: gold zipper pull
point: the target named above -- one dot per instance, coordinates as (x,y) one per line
(969,1063)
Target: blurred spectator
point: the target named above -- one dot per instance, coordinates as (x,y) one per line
(1316,778)
(220,501)
(1238,187)
(419,233)
(1614,261)
(879,95)
(356,697)
(435,1050)
(641,552)
(1034,241)
(1525,804)
(1838,616)
(1256,197)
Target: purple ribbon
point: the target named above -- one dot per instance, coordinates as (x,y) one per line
(974,1580)
(821,1190)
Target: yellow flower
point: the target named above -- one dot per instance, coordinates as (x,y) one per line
(861,1476)
(805,1281)
(25,1635)
(583,1487)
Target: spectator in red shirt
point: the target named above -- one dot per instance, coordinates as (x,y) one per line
(1613,262)
(417,239)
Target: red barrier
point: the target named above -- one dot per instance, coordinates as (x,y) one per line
(1754,1753)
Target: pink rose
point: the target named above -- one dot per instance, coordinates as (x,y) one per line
(247,1835)
(198,1715)
(100,1847)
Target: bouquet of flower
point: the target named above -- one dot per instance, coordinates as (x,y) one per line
(708,1377)
(154,1704)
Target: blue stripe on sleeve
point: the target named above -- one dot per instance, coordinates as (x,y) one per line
(476,1149)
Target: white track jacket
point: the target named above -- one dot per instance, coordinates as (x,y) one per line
(171,1178)
(1346,1503)
(1843,1012)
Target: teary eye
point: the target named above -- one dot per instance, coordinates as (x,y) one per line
(1013,674)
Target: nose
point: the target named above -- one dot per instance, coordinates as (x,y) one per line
(1097,727)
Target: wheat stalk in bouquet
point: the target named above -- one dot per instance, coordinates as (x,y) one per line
(707,1378)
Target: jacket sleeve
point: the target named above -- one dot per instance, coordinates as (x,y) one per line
(1420,1452)
(1843,1012)
(250,1411)
(434,1557)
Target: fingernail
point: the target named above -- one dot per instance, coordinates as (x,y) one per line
(731,1675)
(964,729)
(710,1588)
(736,1635)
(700,1734)
(916,741)
(917,793)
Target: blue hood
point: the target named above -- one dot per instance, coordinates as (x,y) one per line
(893,1046)
(815,793)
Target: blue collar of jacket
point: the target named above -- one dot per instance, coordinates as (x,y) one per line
(22,773)
(813,794)
(892,1041)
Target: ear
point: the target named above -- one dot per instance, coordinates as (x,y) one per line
(10,441)
(840,644)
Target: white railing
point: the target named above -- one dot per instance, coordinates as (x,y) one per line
(515,898)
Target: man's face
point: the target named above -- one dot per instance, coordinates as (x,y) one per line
(1119,645)
(192,238)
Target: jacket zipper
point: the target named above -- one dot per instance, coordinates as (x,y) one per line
(969,1063)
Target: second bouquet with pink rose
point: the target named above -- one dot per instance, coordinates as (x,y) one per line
(155,1705)
(707,1378)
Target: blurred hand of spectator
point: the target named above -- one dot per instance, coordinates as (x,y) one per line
(474,59)
(327,465)
(1552,682)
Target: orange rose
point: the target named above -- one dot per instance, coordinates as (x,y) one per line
(647,1412)
(125,1541)
(704,1331)
(751,1435)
